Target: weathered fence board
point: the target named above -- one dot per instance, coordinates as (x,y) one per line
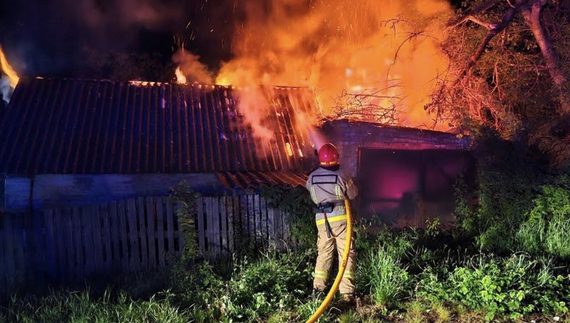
(151,232)
(133,236)
(72,244)
(78,244)
(170,230)
(106,237)
(201,224)
(8,251)
(3,255)
(115,227)
(142,234)
(160,232)
(121,213)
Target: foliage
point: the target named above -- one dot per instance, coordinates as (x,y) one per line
(297,203)
(271,284)
(505,189)
(62,306)
(198,288)
(508,87)
(456,285)
(384,276)
(547,229)
(520,206)
(395,242)
(187,212)
(509,287)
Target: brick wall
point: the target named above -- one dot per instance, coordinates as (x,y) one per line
(349,136)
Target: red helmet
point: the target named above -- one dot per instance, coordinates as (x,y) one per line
(328,155)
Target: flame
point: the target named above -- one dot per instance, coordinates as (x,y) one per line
(180,78)
(365,59)
(189,69)
(8,70)
(9,79)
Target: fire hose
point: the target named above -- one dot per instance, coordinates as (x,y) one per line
(341,267)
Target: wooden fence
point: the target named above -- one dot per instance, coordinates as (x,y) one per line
(226,223)
(72,244)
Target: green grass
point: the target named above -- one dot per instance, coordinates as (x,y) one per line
(455,285)
(80,306)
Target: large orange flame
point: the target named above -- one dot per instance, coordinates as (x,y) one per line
(365,59)
(8,70)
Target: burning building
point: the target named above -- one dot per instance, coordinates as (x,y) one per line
(365,66)
(79,142)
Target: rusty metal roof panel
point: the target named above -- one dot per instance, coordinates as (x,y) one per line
(256,180)
(69,126)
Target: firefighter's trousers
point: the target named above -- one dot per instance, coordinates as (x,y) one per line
(326,255)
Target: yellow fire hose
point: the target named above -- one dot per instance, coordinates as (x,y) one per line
(341,267)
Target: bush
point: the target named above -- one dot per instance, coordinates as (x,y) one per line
(297,203)
(547,229)
(254,288)
(508,287)
(505,190)
(262,287)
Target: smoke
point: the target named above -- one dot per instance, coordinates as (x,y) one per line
(253,105)
(385,50)
(5,88)
(191,68)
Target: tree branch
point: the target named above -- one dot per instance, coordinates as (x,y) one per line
(531,12)
(484,7)
(493,31)
(475,20)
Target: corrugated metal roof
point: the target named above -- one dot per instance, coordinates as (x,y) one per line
(69,126)
(256,180)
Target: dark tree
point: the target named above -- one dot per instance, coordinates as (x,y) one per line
(510,72)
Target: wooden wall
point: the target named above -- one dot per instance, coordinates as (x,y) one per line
(53,191)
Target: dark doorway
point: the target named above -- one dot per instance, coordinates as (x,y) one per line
(405,188)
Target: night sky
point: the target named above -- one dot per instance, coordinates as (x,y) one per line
(54,37)
(60,37)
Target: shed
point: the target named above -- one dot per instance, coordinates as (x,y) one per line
(73,142)
(407,176)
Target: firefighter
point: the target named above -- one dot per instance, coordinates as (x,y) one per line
(330,188)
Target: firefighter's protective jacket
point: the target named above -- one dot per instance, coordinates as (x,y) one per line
(332,186)
(330,189)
